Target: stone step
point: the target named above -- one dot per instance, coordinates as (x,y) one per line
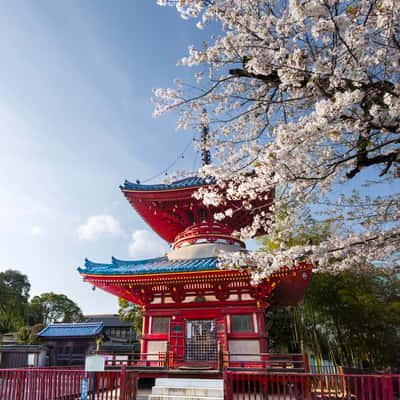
(163,397)
(188,391)
(188,382)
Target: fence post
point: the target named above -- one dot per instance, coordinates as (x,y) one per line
(122,384)
(389,387)
(306,362)
(94,384)
(227,385)
(21,386)
(220,356)
(166,362)
(225,360)
(171,360)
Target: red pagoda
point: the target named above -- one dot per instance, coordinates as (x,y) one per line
(193,310)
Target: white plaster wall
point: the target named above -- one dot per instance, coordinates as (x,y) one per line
(154,347)
(201,250)
(244,347)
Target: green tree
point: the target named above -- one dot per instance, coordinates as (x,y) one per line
(51,307)
(27,334)
(352,318)
(9,320)
(130,312)
(14,294)
(23,335)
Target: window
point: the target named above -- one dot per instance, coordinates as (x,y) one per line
(160,325)
(66,350)
(116,332)
(242,323)
(31,359)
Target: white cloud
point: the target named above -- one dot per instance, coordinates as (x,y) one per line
(146,244)
(99,225)
(36,230)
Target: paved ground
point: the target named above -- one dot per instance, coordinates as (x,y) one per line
(143,393)
(144,389)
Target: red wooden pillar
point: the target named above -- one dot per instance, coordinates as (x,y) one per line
(176,340)
(222,339)
(260,316)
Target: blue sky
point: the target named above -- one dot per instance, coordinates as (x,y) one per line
(75,118)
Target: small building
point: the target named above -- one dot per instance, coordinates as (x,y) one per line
(121,335)
(68,344)
(21,356)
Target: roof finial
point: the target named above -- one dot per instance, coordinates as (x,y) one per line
(205,139)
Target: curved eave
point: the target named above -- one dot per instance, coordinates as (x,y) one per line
(291,287)
(160,275)
(160,195)
(191,182)
(152,266)
(288,285)
(163,224)
(283,273)
(159,190)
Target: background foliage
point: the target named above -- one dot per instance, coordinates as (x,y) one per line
(130,312)
(17,313)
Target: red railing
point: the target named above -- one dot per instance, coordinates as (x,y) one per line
(262,361)
(298,386)
(225,360)
(57,384)
(142,360)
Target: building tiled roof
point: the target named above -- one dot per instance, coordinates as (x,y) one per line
(181,184)
(32,348)
(123,348)
(85,329)
(150,266)
(108,320)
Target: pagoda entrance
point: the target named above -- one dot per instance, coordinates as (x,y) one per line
(201,340)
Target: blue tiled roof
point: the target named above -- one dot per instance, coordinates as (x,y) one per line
(72,330)
(150,266)
(181,184)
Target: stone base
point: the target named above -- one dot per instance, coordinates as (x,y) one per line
(187,389)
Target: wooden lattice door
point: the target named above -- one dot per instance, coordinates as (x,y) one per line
(201,340)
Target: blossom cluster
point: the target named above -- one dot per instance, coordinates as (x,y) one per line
(303,98)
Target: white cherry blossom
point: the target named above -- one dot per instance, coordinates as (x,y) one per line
(303,98)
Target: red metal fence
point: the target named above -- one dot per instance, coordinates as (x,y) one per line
(263,386)
(62,384)
(59,384)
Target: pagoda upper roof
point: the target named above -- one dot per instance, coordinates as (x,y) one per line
(149,266)
(180,184)
(169,209)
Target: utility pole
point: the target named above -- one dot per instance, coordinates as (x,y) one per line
(205,140)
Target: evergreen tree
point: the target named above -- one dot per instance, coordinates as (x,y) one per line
(130,312)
